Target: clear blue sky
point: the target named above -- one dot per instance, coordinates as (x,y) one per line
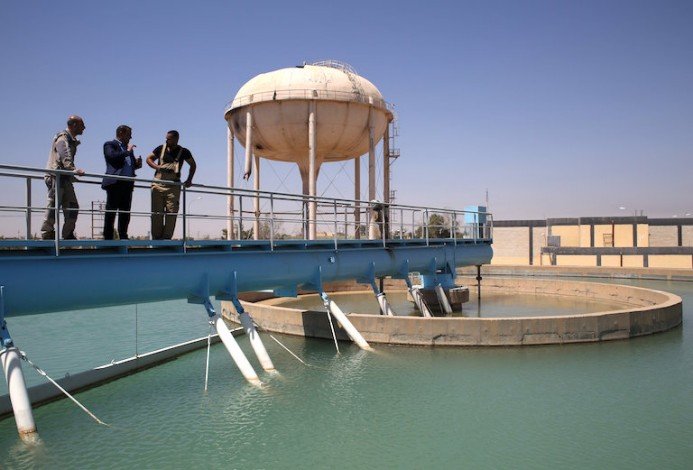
(558,108)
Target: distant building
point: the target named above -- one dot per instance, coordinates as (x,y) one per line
(636,241)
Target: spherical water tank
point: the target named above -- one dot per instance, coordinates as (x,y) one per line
(279,101)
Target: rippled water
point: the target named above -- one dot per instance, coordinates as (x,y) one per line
(619,404)
(493,305)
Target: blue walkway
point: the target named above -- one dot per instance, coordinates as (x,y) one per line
(94,273)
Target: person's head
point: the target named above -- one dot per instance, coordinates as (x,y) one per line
(124,133)
(75,125)
(172,138)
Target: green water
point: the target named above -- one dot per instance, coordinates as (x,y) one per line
(493,305)
(622,404)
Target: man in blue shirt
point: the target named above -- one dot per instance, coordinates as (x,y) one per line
(120,161)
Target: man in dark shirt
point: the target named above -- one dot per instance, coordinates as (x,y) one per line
(120,161)
(167,160)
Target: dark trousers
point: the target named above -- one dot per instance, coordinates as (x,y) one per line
(118,199)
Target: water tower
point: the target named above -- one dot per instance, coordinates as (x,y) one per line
(309,114)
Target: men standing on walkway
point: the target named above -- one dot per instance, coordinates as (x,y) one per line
(62,193)
(120,161)
(167,160)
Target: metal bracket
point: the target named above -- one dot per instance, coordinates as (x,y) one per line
(201,296)
(231,293)
(450,267)
(315,283)
(369,277)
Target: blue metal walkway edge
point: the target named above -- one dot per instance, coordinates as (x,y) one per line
(100,247)
(94,277)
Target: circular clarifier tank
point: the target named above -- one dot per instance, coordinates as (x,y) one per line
(513,311)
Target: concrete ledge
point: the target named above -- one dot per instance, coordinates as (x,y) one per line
(644,312)
(605,272)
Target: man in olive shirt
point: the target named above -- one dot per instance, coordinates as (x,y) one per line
(167,160)
(62,157)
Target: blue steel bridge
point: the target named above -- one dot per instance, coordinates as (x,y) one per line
(265,246)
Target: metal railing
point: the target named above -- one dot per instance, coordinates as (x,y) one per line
(256,215)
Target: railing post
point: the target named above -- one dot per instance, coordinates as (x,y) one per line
(28,207)
(56,204)
(334,210)
(185,219)
(240,217)
(426,225)
(271,222)
(383,235)
(413,224)
(452,227)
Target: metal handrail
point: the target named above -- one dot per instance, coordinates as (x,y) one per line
(331,212)
(204,189)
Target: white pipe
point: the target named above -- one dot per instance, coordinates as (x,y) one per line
(312,151)
(256,342)
(384,305)
(419,301)
(229,180)
(348,326)
(256,200)
(21,405)
(443,299)
(235,351)
(248,144)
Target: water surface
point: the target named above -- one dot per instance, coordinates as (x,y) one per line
(620,404)
(493,305)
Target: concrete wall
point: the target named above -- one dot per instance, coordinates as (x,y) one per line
(538,240)
(576,260)
(670,261)
(585,235)
(687,235)
(570,234)
(599,238)
(598,242)
(510,245)
(623,235)
(643,235)
(644,312)
(663,235)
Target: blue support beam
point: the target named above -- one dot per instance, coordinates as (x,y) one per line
(89,279)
